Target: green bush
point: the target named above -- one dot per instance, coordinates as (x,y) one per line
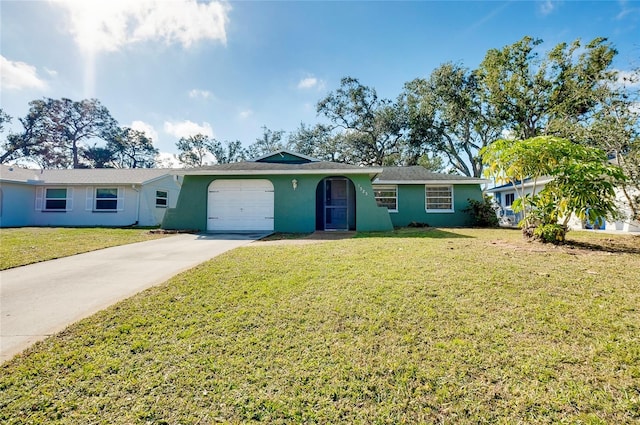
(482,212)
(550,233)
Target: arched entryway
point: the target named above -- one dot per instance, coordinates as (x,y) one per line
(335,204)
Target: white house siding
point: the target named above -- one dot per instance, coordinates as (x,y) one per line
(624,224)
(16,204)
(508,218)
(81,211)
(506,215)
(150,213)
(23,201)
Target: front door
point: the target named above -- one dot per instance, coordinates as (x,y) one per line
(336,204)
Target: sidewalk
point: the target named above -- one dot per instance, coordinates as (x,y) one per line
(41,299)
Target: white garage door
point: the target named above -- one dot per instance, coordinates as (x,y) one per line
(240,205)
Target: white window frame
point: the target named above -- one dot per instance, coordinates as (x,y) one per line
(92,199)
(506,199)
(388,187)
(438,210)
(165,198)
(97,201)
(41,199)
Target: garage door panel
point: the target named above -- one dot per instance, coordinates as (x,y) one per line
(240,205)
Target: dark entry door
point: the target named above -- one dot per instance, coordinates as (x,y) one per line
(336,204)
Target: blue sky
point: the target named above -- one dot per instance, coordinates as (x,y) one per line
(227,69)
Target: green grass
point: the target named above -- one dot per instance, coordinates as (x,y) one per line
(28,245)
(460,326)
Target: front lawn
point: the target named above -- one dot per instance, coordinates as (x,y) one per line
(28,245)
(457,326)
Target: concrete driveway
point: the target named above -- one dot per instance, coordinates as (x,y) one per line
(41,299)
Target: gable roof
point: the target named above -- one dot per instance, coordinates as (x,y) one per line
(417,174)
(82,176)
(285,156)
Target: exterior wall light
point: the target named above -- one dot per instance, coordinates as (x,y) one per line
(294,183)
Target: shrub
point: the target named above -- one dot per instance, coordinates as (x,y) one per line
(418,224)
(482,212)
(550,233)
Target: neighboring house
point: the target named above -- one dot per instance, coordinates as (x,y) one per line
(505,195)
(290,192)
(86,197)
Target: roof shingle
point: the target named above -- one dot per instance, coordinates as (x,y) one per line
(419,174)
(82,176)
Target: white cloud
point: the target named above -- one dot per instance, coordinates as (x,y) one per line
(147,129)
(628,79)
(51,72)
(307,83)
(546,7)
(625,10)
(188,128)
(246,113)
(195,93)
(99,25)
(310,83)
(168,160)
(19,75)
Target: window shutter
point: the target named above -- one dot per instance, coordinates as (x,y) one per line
(120,206)
(39,198)
(69,199)
(89,202)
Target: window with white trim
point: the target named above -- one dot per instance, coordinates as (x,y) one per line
(162,199)
(106,199)
(386,196)
(439,198)
(55,199)
(509,198)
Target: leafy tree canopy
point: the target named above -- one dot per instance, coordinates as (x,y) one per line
(132,149)
(582,182)
(373,129)
(270,141)
(194,151)
(447,117)
(55,131)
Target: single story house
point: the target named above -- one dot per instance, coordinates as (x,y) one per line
(293,193)
(280,192)
(86,197)
(505,194)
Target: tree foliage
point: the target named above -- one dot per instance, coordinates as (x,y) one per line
(193,150)
(228,152)
(55,131)
(319,142)
(448,117)
(132,149)
(270,141)
(582,182)
(4,119)
(98,157)
(549,95)
(615,128)
(373,129)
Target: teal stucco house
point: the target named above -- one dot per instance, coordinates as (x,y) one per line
(289,192)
